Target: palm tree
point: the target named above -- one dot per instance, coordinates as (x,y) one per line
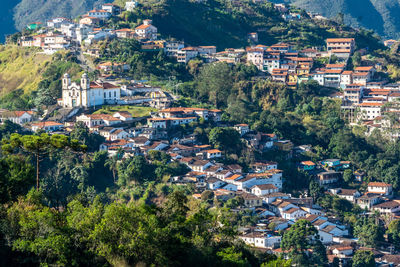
(112,162)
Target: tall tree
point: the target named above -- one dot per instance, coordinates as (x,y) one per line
(393,233)
(301,238)
(363,258)
(40,146)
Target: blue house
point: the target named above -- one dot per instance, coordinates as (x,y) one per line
(307,165)
(331,162)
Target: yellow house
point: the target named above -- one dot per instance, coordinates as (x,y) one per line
(303,70)
(292,79)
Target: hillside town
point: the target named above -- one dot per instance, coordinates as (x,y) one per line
(105,106)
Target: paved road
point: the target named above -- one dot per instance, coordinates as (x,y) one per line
(83,62)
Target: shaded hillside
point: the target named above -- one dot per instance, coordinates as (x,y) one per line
(41,10)
(6,18)
(221,23)
(380,15)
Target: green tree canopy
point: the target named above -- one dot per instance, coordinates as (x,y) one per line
(299,239)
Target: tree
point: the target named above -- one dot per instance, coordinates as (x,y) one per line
(91,140)
(363,258)
(348,176)
(226,139)
(214,83)
(99,173)
(301,237)
(17,176)
(65,177)
(341,205)
(112,164)
(356,59)
(393,233)
(230,257)
(315,190)
(277,263)
(367,232)
(135,169)
(40,146)
(207,195)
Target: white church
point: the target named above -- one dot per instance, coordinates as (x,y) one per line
(88,94)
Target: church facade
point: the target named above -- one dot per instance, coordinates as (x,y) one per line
(88,94)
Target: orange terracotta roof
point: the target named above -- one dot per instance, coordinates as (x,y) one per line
(339,40)
(333,71)
(142,27)
(308,163)
(347,72)
(379,184)
(233,177)
(367,68)
(372,104)
(47,123)
(213,151)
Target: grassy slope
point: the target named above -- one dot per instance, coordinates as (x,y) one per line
(21,68)
(136,111)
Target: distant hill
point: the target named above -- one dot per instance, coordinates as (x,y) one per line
(226,23)
(382,16)
(6,18)
(40,10)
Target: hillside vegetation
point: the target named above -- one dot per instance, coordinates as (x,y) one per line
(21,68)
(41,10)
(28,76)
(379,15)
(226,24)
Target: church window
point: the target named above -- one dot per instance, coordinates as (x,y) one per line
(105,95)
(115,94)
(109,94)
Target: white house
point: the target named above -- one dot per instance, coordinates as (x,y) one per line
(48,126)
(261,240)
(263,189)
(186,54)
(370,110)
(146,30)
(242,128)
(99,13)
(97,120)
(214,183)
(18,117)
(213,153)
(293,214)
(119,134)
(388,207)
(348,194)
(342,251)
(200,165)
(123,116)
(380,188)
(367,200)
(130,5)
